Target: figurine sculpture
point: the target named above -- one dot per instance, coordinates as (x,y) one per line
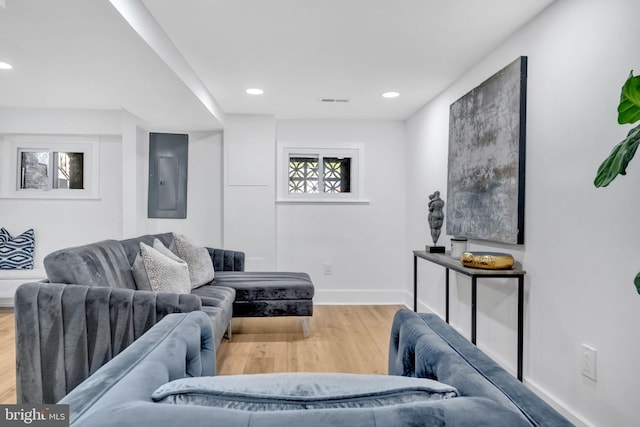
(436,215)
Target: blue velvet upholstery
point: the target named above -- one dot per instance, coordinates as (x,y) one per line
(423,345)
(257,294)
(65,333)
(163,379)
(224,260)
(108,264)
(102,263)
(100,270)
(301,391)
(119,394)
(266,294)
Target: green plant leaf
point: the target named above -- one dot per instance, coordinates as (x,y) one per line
(637,282)
(619,159)
(629,108)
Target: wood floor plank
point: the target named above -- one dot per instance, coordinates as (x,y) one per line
(7,357)
(344,338)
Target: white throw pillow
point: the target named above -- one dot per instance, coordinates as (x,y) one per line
(160,247)
(197,258)
(165,272)
(139,271)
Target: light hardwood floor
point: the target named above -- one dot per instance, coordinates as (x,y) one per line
(343,339)
(7,357)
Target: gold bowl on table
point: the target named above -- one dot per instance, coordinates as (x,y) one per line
(487,260)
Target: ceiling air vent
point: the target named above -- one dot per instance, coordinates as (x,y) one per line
(330,100)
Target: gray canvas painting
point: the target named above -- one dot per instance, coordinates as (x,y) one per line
(485,188)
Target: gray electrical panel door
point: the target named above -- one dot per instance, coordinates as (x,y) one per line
(168,162)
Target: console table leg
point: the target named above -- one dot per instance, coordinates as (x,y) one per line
(415,283)
(520,324)
(474,295)
(447,297)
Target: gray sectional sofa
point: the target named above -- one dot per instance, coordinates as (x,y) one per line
(437,378)
(232,293)
(61,336)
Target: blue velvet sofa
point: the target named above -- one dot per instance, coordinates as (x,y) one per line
(91,309)
(232,293)
(166,378)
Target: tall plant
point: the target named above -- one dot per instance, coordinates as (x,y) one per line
(617,162)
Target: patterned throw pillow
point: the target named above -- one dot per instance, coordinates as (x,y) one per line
(139,271)
(165,273)
(16,253)
(197,258)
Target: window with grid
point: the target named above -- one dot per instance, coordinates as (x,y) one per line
(318,175)
(307,177)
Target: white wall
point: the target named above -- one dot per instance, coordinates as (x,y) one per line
(364,242)
(581,249)
(62,223)
(121,210)
(249,189)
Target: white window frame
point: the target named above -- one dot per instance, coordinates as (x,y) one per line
(12,158)
(353,151)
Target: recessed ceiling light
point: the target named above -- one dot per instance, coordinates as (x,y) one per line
(255,91)
(5,66)
(390,95)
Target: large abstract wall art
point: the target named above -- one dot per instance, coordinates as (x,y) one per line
(485,188)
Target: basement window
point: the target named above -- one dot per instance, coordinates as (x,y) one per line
(47,170)
(310,175)
(40,167)
(320,175)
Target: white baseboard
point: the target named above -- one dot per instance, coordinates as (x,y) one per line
(425,308)
(559,405)
(361,297)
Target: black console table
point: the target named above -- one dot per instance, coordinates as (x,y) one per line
(449,263)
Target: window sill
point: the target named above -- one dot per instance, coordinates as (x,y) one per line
(48,197)
(322,201)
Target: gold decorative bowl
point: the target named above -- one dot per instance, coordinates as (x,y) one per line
(487,260)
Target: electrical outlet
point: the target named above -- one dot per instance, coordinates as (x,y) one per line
(589,361)
(328,268)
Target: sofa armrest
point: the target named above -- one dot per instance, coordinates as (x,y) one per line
(422,345)
(64,333)
(226,260)
(181,345)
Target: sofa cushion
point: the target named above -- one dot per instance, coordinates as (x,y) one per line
(16,253)
(252,286)
(164,271)
(296,391)
(214,295)
(197,258)
(217,302)
(102,263)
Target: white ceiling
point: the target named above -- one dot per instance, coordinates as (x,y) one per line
(83,54)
